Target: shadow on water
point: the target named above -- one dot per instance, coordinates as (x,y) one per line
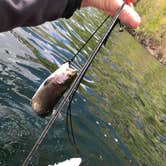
(118,113)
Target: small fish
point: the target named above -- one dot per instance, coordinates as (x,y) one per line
(52,89)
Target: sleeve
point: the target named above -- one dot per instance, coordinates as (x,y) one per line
(14,13)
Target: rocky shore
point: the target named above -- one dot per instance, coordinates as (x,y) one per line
(152,32)
(156,48)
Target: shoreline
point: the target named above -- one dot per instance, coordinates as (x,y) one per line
(152,31)
(155,48)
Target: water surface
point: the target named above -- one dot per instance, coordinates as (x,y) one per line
(118,113)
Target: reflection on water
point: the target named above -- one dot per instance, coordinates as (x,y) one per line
(118,113)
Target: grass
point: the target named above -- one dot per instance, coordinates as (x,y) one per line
(153,15)
(152,32)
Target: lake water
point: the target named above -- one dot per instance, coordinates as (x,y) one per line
(119,111)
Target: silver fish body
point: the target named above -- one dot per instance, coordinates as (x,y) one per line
(52,89)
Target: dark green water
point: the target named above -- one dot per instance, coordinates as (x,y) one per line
(119,112)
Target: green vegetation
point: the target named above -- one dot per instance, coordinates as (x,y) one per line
(132,85)
(152,32)
(153,15)
(136,90)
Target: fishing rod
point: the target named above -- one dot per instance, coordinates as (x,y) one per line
(73,86)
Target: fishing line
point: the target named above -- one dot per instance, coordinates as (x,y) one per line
(72,88)
(72,59)
(69,121)
(68,112)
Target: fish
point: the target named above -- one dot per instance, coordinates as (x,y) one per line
(52,89)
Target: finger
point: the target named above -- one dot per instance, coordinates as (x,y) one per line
(130,17)
(130,1)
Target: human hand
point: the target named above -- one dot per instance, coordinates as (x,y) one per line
(128,15)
